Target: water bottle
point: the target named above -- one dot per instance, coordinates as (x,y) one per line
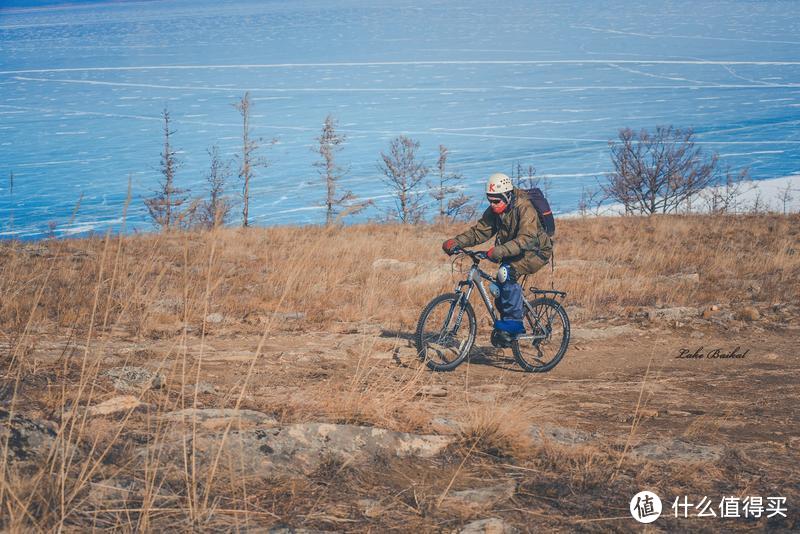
(494,289)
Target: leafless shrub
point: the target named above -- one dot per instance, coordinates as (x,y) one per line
(759,205)
(404,174)
(725,195)
(454,204)
(11,194)
(216,210)
(524,177)
(591,201)
(785,196)
(658,172)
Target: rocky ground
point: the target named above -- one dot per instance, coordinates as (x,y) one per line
(343,429)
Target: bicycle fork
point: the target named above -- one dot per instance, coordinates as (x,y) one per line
(473,280)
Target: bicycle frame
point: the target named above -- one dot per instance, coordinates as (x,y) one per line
(473,280)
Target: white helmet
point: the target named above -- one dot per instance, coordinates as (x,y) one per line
(499,184)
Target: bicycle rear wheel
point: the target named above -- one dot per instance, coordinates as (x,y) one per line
(546,339)
(445,332)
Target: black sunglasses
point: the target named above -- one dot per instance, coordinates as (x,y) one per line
(495,200)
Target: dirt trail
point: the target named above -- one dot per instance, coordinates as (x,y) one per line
(620,388)
(747,402)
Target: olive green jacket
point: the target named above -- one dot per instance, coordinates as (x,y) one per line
(518,233)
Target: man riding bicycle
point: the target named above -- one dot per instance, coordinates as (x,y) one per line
(521,247)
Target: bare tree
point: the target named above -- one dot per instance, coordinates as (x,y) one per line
(759,205)
(329,143)
(656,173)
(215,211)
(249,159)
(785,196)
(11,194)
(166,207)
(724,195)
(51,229)
(524,177)
(453,202)
(591,201)
(403,173)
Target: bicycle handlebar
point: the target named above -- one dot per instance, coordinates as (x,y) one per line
(476,255)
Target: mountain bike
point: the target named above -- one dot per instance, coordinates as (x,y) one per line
(447,327)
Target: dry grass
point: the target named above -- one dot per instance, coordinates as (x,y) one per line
(165,286)
(152,283)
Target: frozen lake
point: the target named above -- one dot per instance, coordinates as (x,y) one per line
(548,84)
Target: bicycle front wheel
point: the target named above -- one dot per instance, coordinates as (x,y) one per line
(445,332)
(546,339)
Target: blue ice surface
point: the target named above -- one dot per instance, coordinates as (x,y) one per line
(82,87)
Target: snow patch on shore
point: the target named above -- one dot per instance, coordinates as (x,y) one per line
(760,195)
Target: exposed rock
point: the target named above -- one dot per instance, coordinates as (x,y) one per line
(135,379)
(748,313)
(435,274)
(676,449)
(389,264)
(121,490)
(214,318)
(444,425)
(721,317)
(679,413)
(370,507)
(488,526)
(26,437)
(642,413)
(432,391)
(481,498)
(168,305)
(112,491)
(125,403)
(216,418)
(203,388)
(565,436)
(289,316)
(592,334)
(255,318)
(679,313)
(300,448)
(258,319)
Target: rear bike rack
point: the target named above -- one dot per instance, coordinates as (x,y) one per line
(536,291)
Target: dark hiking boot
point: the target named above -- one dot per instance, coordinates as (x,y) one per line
(501,339)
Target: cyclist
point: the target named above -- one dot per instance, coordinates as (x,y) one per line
(521,247)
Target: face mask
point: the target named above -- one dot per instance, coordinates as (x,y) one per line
(498,207)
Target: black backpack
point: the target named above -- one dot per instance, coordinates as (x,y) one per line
(542,210)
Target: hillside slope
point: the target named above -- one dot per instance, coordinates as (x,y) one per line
(266,378)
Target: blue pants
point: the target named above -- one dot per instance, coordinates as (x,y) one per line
(509,301)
